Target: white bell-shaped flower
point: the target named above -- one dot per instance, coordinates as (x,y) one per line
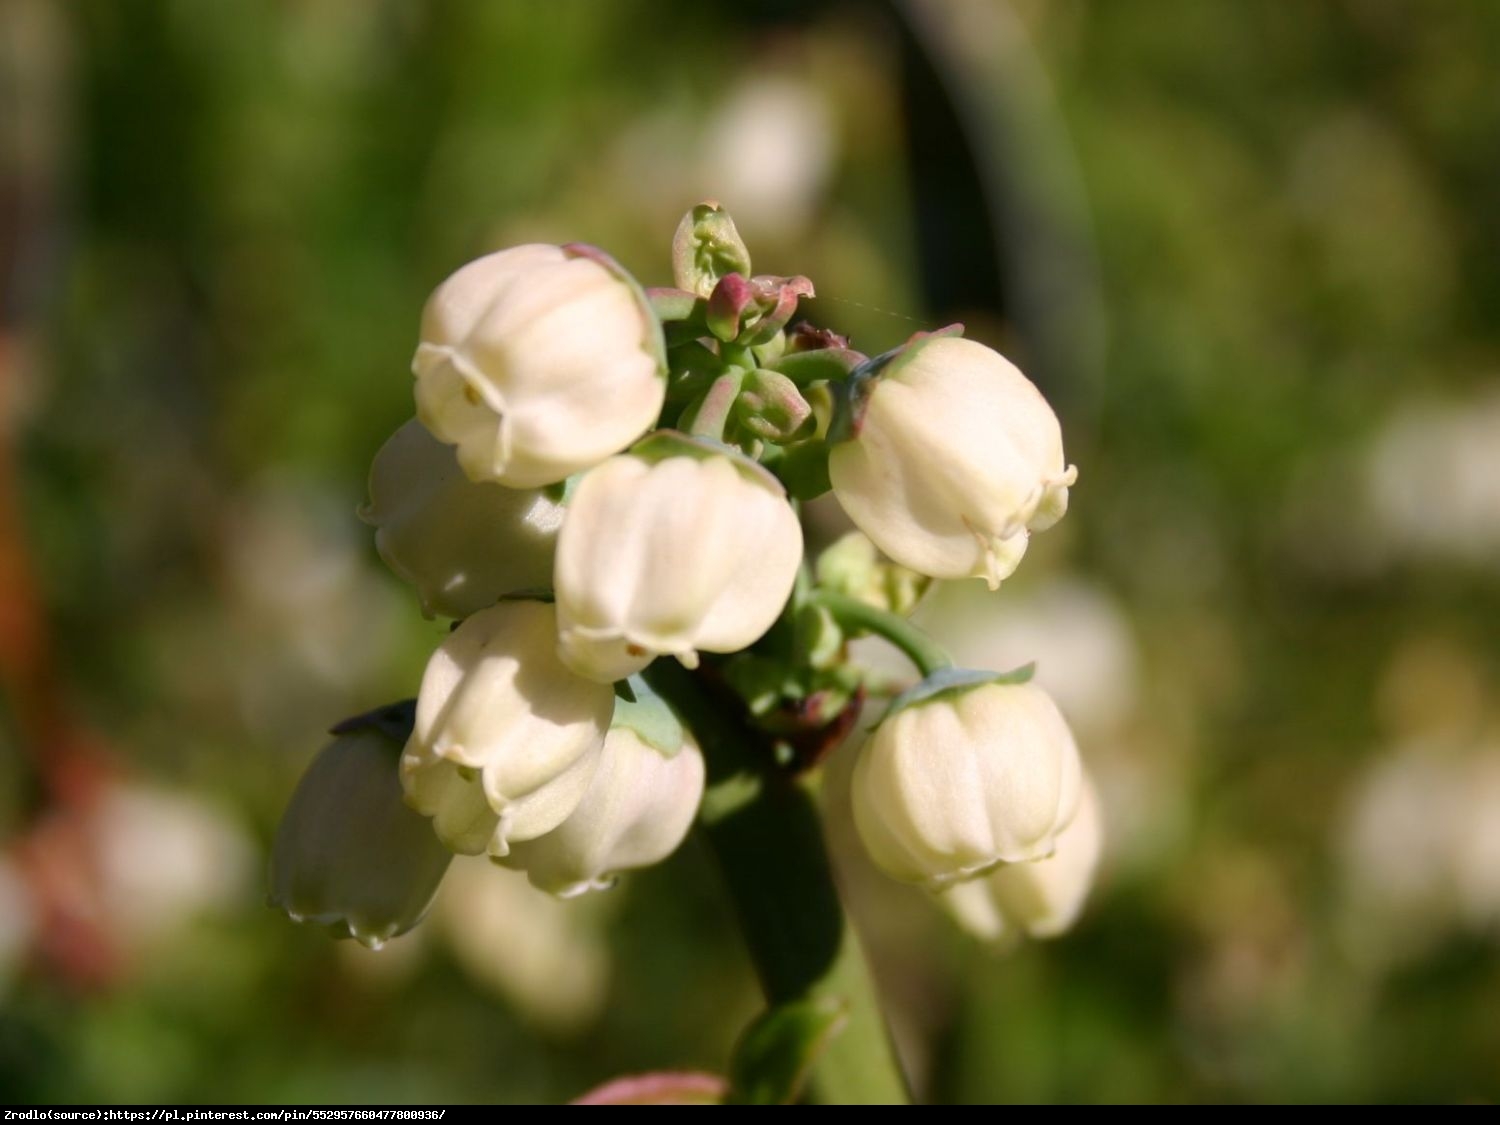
(463,544)
(696,550)
(1040,899)
(638,808)
(349,853)
(537,362)
(954,458)
(506,737)
(963,774)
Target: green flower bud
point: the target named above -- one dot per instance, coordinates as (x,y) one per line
(772,408)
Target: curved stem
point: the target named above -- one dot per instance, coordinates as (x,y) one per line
(856,616)
(714,408)
(765,831)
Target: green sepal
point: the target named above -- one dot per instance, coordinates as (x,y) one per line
(531,594)
(705,248)
(833,364)
(949,682)
(804,470)
(672,305)
(664,444)
(394,720)
(648,715)
(562,491)
(776,1055)
(852,395)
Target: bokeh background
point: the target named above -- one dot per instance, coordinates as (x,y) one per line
(1250,250)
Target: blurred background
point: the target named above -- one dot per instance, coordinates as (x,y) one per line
(1251,252)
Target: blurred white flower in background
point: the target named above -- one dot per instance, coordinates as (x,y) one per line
(164,858)
(768,150)
(1420,847)
(1080,639)
(18,922)
(1432,481)
(547,958)
(311,617)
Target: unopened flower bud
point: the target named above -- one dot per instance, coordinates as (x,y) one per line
(707,248)
(962,774)
(537,362)
(506,738)
(638,807)
(696,550)
(349,854)
(772,408)
(851,565)
(954,457)
(1040,899)
(463,544)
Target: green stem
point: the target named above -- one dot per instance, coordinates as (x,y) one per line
(856,616)
(733,355)
(765,830)
(713,409)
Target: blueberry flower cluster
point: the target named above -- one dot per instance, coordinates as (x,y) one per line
(599,477)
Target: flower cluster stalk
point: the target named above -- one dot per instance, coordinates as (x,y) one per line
(766,834)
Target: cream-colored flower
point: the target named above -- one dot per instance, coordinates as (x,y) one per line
(965,777)
(349,854)
(638,808)
(506,738)
(463,544)
(1040,899)
(955,460)
(538,362)
(666,557)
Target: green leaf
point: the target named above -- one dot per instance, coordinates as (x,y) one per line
(777,1052)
